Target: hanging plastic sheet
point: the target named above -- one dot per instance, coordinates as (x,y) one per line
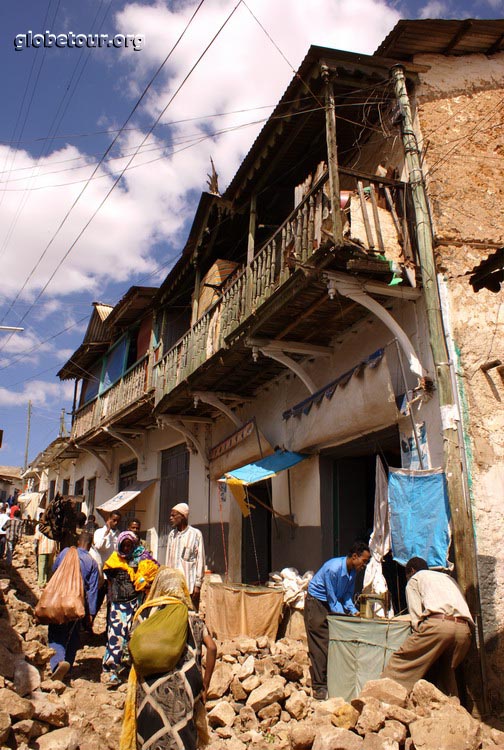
(379,543)
(419,516)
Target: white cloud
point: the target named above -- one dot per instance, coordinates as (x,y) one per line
(242,70)
(39,392)
(434,9)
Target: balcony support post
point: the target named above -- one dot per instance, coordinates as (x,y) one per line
(214,400)
(100,459)
(193,443)
(332,158)
(196,293)
(140,455)
(286,361)
(349,287)
(252,230)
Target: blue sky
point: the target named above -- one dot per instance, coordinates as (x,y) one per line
(62,108)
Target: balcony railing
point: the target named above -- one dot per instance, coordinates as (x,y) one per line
(133,385)
(371,219)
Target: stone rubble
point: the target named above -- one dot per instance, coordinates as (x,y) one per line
(259,696)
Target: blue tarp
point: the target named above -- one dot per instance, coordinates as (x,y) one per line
(265,467)
(419,516)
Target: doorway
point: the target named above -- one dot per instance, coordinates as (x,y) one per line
(348,497)
(256,535)
(174,488)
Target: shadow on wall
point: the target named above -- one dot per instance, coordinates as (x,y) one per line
(493,637)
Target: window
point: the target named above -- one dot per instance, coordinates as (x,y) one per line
(91,491)
(79,487)
(176,322)
(114,363)
(91,385)
(65,489)
(127,477)
(52,489)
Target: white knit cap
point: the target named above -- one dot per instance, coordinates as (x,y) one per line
(182,508)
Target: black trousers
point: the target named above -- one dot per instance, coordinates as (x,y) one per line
(317,631)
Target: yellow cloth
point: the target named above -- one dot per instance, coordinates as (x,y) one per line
(128,739)
(238,492)
(145,574)
(116,561)
(140,577)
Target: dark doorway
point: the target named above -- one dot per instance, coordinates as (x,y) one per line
(256,535)
(174,489)
(348,496)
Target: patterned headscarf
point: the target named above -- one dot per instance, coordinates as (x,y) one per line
(123,536)
(171,582)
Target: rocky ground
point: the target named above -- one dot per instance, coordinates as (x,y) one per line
(259,697)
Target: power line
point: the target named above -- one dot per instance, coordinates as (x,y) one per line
(107,151)
(53,127)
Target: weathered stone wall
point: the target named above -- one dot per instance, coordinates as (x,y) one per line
(461,119)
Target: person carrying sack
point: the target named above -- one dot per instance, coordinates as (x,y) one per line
(68,602)
(166,689)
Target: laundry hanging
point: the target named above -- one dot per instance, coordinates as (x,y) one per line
(419,516)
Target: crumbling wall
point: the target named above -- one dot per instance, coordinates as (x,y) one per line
(461,118)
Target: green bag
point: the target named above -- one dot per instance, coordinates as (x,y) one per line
(158,642)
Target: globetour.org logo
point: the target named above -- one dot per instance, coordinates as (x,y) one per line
(48,39)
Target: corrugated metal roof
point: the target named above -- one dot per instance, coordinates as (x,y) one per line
(131,306)
(443,37)
(96,340)
(307,89)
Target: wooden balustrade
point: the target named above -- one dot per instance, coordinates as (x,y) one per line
(307,228)
(130,388)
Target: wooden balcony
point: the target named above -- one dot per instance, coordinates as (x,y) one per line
(374,218)
(132,388)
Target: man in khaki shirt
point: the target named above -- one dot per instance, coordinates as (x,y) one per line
(442,628)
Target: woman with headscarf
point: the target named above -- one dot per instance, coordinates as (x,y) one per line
(124,596)
(169,704)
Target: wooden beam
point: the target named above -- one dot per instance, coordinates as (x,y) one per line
(332,160)
(252,229)
(294,347)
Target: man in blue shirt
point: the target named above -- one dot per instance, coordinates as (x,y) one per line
(65,638)
(330,591)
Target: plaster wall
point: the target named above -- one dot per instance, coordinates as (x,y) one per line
(302,548)
(462,124)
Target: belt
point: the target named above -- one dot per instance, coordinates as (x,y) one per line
(451,618)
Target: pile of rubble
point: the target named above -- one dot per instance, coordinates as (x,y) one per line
(259,698)
(35,711)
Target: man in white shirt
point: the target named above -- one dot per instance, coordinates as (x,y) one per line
(442,628)
(186,551)
(104,543)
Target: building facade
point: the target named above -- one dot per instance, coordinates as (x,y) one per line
(322,305)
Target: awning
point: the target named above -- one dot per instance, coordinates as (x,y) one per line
(124,497)
(245,445)
(264,468)
(357,403)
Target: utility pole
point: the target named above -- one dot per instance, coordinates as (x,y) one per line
(460,507)
(27,445)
